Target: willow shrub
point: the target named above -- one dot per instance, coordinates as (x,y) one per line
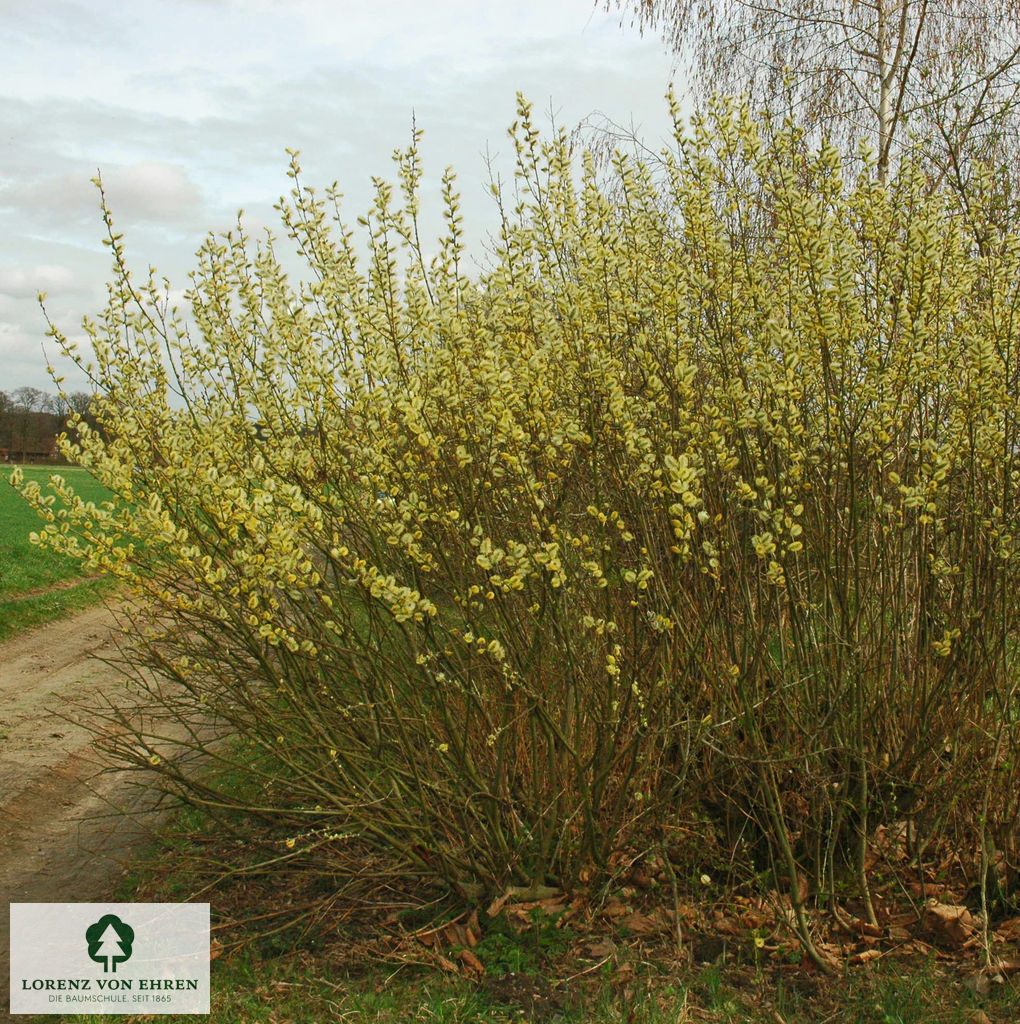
(695,509)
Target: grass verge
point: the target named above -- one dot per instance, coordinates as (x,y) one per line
(37,585)
(21,613)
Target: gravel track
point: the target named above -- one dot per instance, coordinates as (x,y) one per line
(64,833)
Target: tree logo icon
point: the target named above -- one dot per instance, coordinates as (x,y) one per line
(109,941)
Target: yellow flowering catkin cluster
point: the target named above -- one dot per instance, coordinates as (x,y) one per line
(700,496)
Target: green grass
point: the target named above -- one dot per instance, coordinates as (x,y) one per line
(37,585)
(20,614)
(301,987)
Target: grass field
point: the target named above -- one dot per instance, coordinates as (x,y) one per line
(36,585)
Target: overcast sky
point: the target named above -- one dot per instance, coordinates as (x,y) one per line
(187,107)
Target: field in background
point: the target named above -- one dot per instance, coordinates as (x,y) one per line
(36,585)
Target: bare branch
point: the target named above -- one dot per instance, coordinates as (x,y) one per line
(901,60)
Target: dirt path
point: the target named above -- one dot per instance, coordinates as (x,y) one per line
(63,833)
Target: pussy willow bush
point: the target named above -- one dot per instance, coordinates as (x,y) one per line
(695,509)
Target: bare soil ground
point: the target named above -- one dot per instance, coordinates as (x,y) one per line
(63,833)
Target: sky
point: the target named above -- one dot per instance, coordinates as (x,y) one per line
(187,108)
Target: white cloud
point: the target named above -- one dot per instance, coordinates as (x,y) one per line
(151,191)
(143,192)
(27,282)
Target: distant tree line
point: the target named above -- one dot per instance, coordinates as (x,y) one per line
(31,420)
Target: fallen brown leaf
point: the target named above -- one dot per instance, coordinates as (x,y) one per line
(916,946)
(553,904)
(614,907)
(725,925)
(640,878)
(980,982)
(866,956)
(952,924)
(454,935)
(907,919)
(929,889)
(858,926)
(577,904)
(755,917)
(497,904)
(830,954)
(602,948)
(644,924)
(472,930)
(623,975)
(471,962)
(1007,965)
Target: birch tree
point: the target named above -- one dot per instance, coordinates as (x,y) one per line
(941,74)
